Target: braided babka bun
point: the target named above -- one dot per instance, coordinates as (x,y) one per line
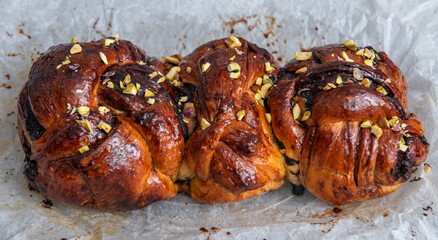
(341,113)
(98,126)
(232,153)
(105,126)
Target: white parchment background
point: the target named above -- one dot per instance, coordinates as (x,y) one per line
(406,30)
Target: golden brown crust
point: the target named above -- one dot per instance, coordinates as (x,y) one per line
(347,150)
(231,159)
(128,165)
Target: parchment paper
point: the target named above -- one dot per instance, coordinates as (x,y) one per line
(406,30)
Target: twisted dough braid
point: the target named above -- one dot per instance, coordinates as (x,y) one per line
(232,153)
(91,134)
(341,114)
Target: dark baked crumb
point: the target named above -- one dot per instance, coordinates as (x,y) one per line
(47,203)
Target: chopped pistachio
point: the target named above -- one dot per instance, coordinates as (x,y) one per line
(331,85)
(108,41)
(110,84)
(427,168)
(205,66)
(130,89)
(141,63)
(151,101)
(85,124)
(388,80)
(366,82)
(306,116)
(264,89)
(84,149)
(79,91)
(268,67)
(232,42)
(104,126)
(373,56)
(188,69)
(103,110)
(350,45)
(65,62)
(84,111)
(367,53)
(381,90)
(121,85)
(259,81)
(170,59)
(183,99)
(346,57)
(162,79)
(296,111)
(377,131)
(402,147)
(394,121)
(204,124)
(232,58)
(365,124)
(177,83)
(59,66)
(148,93)
(338,79)
(368,62)
(138,86)
(74,40)
(378,57)
(268,117)
(233,67)
(266,79)
(326,88)
(258,97)
(403,125)
(402,140)
(240,114)
(153,74)
(239,52)
(116,37)
(357,74)
(127,79)
(75,49)
(302,56)
(172,72)
(382,103)
(234,75)
(360,52)
(301,70)
(103,58)
(73,111)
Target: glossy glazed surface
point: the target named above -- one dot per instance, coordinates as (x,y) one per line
(130,165)
(232,159)
(339,159)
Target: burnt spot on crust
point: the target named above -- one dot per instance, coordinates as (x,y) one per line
(30,171)
(33,127)
(298,190)
(404,167)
